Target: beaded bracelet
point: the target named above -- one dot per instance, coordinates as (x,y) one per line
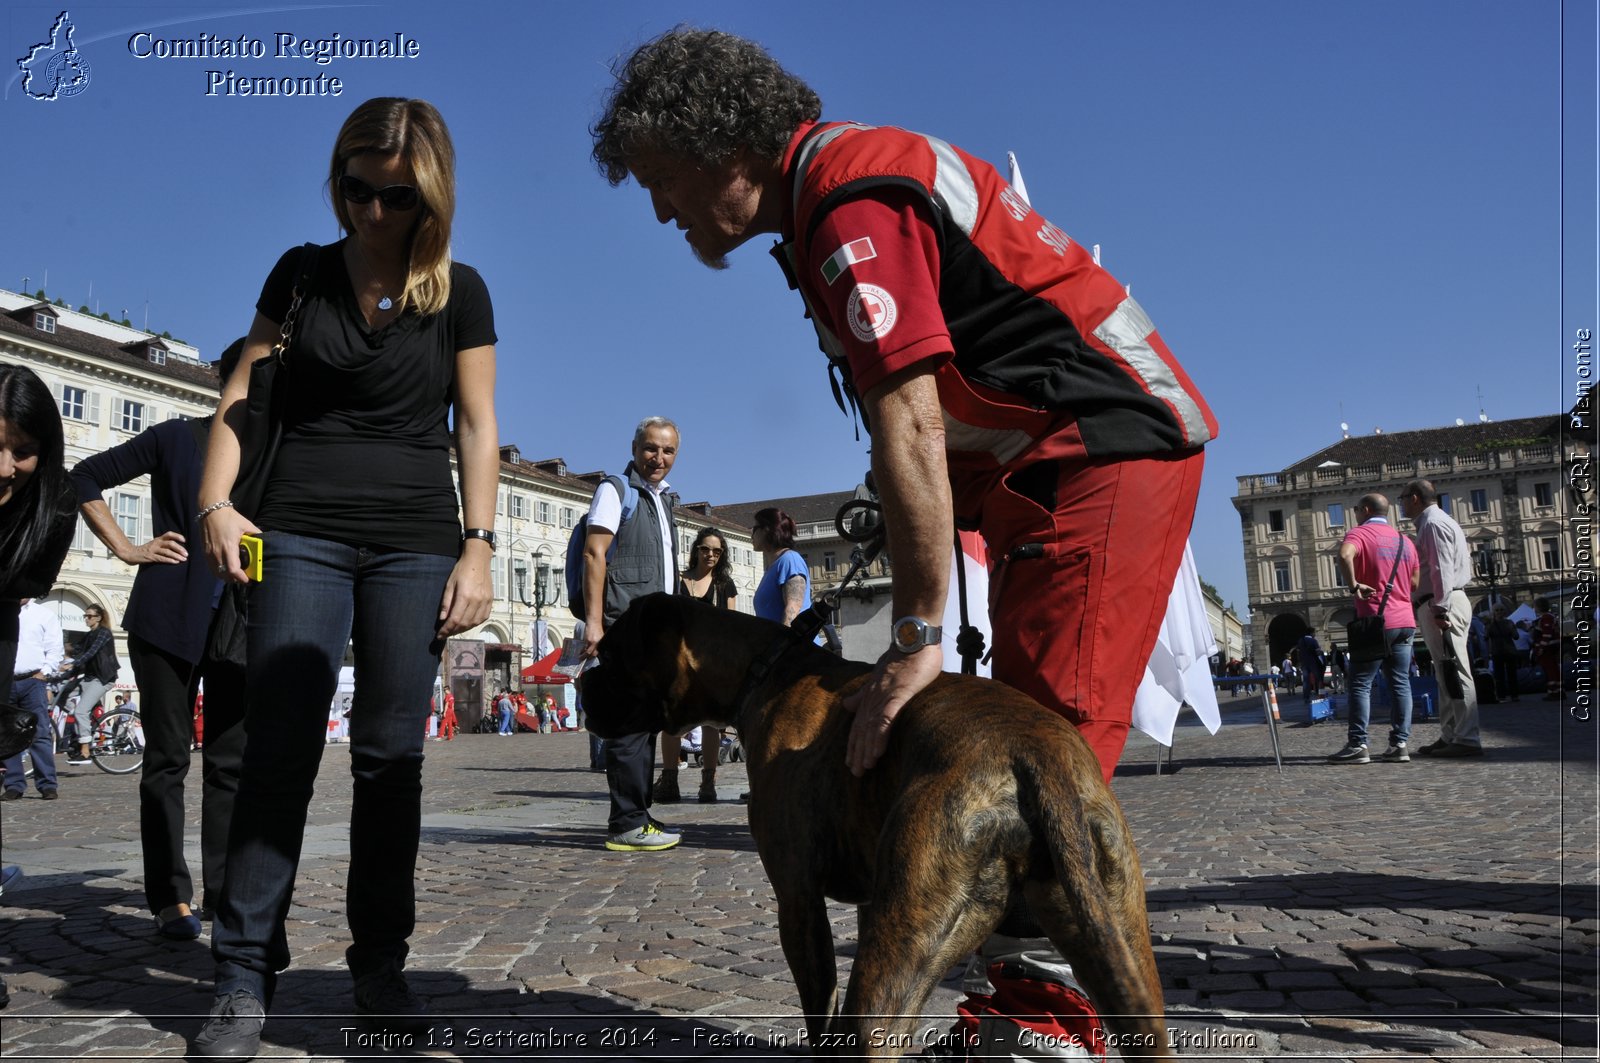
(226,503)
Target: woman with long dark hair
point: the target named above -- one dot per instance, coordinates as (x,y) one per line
(709,578)
(38,513)
(37,510)
(362,544)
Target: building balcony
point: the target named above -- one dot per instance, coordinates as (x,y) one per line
(1430,467)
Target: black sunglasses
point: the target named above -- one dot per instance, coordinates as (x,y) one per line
(394,197)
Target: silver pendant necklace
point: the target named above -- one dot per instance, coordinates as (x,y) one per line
(384,302)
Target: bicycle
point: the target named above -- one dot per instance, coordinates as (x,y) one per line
(60,717)
(117,744)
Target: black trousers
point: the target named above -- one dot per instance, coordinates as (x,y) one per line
(9,623)
(630,765)
(1505,674)
(167,688)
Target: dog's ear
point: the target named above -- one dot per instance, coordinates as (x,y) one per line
(661,626)
(660,630)
(659,614)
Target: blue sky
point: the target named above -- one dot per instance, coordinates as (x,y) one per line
(1334,212)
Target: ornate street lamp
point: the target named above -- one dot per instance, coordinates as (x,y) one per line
(1492,564)
(541,585)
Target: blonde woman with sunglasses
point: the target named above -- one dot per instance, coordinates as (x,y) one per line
(363,545)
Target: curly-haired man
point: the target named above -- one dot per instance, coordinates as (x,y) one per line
(1009,383)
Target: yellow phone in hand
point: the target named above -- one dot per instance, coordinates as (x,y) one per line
(251,551)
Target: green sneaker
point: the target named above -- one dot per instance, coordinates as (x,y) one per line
(646,839)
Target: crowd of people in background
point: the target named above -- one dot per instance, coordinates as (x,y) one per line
(514,712)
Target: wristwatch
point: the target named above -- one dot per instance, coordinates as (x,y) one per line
(479,533)
(911,633)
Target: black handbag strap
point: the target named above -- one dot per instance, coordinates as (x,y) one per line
(309,253)
(1399,552)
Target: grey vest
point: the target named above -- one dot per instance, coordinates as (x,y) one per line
(635,569)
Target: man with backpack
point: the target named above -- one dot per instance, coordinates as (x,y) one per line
(629,549)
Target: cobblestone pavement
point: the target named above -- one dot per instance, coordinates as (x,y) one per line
(1438,909)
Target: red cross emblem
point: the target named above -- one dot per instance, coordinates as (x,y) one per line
(871,312)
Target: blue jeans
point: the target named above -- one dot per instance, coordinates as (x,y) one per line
(315,597)
(507,714)
(1396,666)
(31,694)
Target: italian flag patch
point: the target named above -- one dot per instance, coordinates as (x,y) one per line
(851,253)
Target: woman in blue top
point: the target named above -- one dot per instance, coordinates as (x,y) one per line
(785,589)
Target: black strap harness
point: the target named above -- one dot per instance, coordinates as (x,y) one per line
(860,521)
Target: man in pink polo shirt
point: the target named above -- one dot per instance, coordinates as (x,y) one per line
(1380,568)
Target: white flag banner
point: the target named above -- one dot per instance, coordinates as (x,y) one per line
(1016,175)
(1179,670)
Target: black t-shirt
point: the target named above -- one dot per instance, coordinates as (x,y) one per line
(716,593)
(365,457)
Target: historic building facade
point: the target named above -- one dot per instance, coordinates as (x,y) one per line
(1503,481)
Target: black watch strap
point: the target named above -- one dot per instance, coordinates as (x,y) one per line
(479,533)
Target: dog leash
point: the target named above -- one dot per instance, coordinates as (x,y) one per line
(868,532)
(969,640)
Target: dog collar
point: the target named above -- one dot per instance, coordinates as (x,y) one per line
(758,672)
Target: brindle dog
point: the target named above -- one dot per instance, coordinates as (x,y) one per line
(987,812)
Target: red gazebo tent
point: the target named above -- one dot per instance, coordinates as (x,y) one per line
(543,671)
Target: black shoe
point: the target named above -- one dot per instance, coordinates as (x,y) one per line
(179,927)
(234,1029)
(48,795)
(708,792)
(665,790)
(1432,747)
(385,1000)
(1458,749)
(11,795)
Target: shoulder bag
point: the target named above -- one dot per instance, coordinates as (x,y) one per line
(261,429)
(1366,633)
(260,432)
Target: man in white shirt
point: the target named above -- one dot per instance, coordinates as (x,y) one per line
(40,649)
(642,560)
(1444,618)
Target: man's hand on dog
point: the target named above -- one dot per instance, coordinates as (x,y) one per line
(897,679)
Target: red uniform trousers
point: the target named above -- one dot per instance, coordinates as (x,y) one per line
(1080,589)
